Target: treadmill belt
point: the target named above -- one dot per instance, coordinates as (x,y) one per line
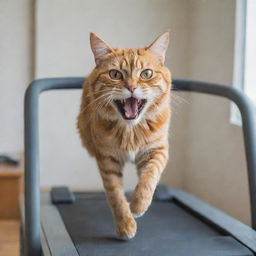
(165,229)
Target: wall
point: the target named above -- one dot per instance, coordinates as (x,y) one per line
(16,69)
(215,166)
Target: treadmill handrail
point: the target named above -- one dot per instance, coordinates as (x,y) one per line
(32,186)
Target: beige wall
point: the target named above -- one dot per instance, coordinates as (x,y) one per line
(215,164)
(16,71)
(206,155)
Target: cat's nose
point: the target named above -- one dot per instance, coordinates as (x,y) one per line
(131,88)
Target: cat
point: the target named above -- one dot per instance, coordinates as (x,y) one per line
(125,115)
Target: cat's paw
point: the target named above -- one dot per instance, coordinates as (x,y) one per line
(139,204)
(126,227)
(138,215)
(138,209)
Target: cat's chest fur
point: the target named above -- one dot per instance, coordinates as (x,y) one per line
(128,143)
(128,139)
(130,156)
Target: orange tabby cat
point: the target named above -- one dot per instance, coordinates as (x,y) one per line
(124,115)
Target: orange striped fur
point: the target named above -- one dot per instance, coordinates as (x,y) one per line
(112,139)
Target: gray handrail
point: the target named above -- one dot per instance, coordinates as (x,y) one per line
(32,244)
(32,186)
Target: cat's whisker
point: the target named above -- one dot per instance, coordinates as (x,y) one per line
(106,90)
(89,106)
(178,99)
(104,103)
(99,107)
(176,103)
(156,106)
(94,101)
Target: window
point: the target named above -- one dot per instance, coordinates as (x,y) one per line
(245,53)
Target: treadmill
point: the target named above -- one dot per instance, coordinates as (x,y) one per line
(66,223)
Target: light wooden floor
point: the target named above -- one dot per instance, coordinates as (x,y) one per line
(9,238)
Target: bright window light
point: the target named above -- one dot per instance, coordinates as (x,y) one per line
(245,53)
(250,51)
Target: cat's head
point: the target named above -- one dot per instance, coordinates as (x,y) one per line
(132,82)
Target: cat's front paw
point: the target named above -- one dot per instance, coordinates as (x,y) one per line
(126,227)
(138,208)
(140,203)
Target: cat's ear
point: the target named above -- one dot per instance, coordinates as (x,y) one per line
(99,47)
(160,45)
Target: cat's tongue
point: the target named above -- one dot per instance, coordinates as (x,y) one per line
(131,108)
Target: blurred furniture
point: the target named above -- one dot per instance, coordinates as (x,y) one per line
(9,237)
(11,176)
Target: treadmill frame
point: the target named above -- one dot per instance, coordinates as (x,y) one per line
(241,232)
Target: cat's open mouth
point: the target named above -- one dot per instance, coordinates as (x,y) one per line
(130,108)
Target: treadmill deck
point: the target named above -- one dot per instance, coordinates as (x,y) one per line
(166,228)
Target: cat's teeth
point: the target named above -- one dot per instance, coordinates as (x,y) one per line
(139,101)
(123,101)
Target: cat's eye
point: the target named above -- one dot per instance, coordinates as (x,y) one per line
(146,74)
(115,74)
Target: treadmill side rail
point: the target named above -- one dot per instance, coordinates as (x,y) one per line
(224,222)
(56,235)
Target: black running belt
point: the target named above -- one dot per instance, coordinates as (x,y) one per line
(165,229)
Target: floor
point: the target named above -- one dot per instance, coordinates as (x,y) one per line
(9,238)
